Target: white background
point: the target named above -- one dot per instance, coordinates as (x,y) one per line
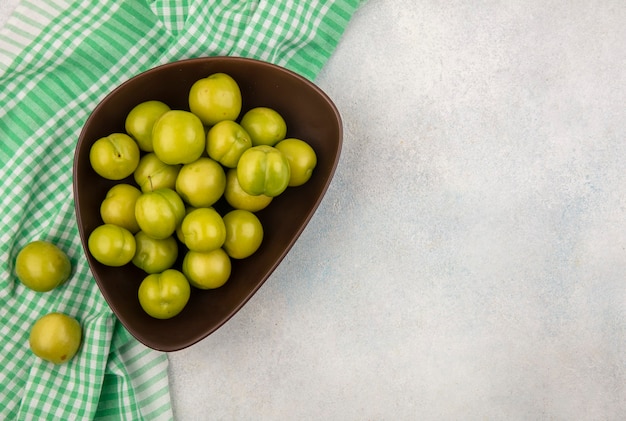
(469,259)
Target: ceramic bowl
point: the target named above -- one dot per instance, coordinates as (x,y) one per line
(310,115)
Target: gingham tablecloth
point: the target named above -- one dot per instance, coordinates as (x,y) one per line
(58,59)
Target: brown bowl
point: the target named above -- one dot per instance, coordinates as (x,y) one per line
(310,115)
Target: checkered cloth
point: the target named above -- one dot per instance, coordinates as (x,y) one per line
(58,59)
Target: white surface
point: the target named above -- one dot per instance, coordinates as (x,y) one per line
(6,8)
(469,259)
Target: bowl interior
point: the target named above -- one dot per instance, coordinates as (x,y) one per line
(310,115)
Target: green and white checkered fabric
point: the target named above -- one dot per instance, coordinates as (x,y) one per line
(58,59)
